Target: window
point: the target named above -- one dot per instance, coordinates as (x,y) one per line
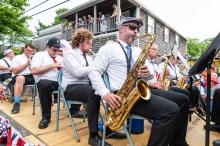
(150,27)
(177,40)
(166,34)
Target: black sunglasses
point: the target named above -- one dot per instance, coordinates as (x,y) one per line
(132,26)
(54,49)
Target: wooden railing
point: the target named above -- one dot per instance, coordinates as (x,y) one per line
(98,27)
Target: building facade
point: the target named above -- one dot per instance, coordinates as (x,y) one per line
(103,23)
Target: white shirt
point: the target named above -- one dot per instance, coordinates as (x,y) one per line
(153,69)
(174,71)
(75,71)
(21,60)
(111,58)
(43,59)
(2,63)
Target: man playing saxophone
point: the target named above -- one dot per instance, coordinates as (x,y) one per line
(168,110)
(180,82)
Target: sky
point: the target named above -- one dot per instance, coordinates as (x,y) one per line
(191,18)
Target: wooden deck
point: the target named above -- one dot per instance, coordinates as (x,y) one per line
(48,136)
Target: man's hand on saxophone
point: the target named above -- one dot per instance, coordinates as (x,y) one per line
(143,71)
(113,100)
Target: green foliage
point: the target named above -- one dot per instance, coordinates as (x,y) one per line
(41,26)
(196,47)
(17,50)
(57,20)
(13,27)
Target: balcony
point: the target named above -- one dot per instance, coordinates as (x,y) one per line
(98,27)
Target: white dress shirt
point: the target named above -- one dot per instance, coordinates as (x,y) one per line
(21,60)
(153,69)
(75,71)
(2,63)
(174,71)
(111,58)
(43,59)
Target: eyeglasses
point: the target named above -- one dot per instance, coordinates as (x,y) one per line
(54,49)
(132,26)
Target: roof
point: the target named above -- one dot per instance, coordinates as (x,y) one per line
(81,7)
(134,2)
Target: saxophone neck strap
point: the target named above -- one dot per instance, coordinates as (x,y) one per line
(128,59)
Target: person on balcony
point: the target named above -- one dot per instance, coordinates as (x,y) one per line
(80,22)
(116,11)
(102,22)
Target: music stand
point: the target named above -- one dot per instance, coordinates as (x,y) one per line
(201,64)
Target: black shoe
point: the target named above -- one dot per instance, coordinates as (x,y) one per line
(114,134)
(16,108)
(97,141)
(77,114)
(44,123)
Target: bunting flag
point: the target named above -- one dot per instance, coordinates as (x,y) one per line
(10,136)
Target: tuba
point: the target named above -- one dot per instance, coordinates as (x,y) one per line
(131,91)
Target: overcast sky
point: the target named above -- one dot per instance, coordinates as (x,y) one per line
(192,18)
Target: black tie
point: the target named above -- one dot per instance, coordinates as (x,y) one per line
(84,55)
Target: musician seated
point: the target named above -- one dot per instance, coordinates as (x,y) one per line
(5,65)
(21,74)
(45,67)
(215,113)
(165,108)
(78,67)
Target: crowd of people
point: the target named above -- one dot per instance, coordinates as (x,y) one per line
(82,81)
(87,21)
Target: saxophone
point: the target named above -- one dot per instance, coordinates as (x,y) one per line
(132,90)
(182,83)
(163,77)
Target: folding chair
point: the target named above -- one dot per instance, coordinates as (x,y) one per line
(67,104)
(33,88)
(107,83)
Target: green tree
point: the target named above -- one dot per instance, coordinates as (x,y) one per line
(13,27)
(57,19)
(196,47)
(41,26)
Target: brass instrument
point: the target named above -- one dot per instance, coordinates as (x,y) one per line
(184,68)
(129,93)
(182,83)
(163,77)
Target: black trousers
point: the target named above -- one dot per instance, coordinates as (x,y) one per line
(45,89)
(5,76)
(169,112)
(215,115)
(85,93)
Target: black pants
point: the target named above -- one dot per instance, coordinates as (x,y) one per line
(169,112)
(4,77)
(45,89)
(215,115)
(85,93)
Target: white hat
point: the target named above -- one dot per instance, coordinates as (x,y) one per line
(126,20)
(65,45)
(7,51)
